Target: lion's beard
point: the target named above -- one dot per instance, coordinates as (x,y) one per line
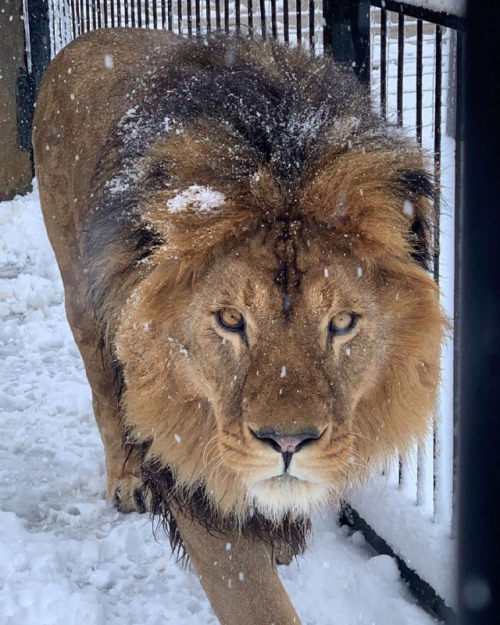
(279,527)
(287,497)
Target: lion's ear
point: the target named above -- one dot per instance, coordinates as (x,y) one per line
(419,201)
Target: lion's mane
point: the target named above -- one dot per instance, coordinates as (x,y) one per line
(286,137)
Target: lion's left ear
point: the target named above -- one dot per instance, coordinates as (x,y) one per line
(418,194)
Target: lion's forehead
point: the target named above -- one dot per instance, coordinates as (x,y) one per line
(255,278)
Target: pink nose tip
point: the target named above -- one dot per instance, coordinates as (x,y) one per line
(285,443)
(288,443)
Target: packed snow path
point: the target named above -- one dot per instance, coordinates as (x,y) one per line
(67,557)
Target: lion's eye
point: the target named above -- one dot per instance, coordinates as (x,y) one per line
(231,319)
(343,323)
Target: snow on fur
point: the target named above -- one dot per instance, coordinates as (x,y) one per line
(198,198)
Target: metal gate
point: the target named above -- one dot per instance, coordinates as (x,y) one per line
(412,58)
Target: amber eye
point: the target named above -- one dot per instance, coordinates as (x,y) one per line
(343,323)
(231,319)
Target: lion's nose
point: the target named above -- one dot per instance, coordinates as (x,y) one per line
(286,443)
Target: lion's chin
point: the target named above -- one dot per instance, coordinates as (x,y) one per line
(287,496)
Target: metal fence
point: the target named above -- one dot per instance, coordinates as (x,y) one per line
(300,22)
(412,58)
(415,75)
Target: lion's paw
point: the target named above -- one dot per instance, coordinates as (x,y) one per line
(283,555)
(128,494)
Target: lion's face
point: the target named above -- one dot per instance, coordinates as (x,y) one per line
(287,388)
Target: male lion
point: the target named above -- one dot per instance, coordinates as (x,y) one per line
(244,249)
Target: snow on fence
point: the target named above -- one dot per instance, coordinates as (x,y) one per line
(413,74)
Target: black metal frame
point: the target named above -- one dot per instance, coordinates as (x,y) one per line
(425,595)
(28,83)
(346,33)
(478,324)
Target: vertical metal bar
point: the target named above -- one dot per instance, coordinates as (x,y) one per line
(170,13)
(87,7)
(347,24)
(190,18)
(97,4)
(286,21)
(105,13)
(63,23)
(478,324)
(274,23)
(383,62)
(163,12)
(179,16)
(437,138)
(401,62)
(217,15)
(118,12)
(82,16)
(155,14)
(77,19)
(112,11)
(425,474)
(39,44)
(125,11)
(250,18)
(56,25)
(94,14)
(139,13)
(237,15)
(73,19)
(298,18)
(208,16)
(439,511)
(81,11)
(312,38)
(420,37)
(226,15)
(39,35)
(198,17)
(146,13)
(263,18)
(132,12)
(459,197)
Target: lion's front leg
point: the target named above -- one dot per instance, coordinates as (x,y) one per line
(124,484)
(238,576)
(123,464)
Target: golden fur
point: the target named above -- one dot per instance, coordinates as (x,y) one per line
(291,205)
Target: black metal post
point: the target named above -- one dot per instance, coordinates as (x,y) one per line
(346,33)
(478,325)
(38,51)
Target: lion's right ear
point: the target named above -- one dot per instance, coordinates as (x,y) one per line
(418,194)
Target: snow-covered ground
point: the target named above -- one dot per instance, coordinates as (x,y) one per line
(67,557)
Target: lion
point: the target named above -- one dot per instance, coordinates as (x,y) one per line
(245,250)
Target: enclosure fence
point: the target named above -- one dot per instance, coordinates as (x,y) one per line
(411,57)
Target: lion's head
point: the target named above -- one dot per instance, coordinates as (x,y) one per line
(280,334)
